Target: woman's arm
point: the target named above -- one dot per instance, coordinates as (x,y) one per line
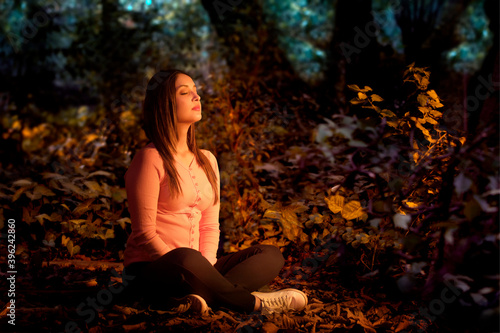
(142,182)
(209,223)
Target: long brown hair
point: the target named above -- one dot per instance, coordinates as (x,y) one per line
(160,126)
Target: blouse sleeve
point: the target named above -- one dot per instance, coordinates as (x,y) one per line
(209,223)
(142,183)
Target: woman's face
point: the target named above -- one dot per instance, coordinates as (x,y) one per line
(187,100)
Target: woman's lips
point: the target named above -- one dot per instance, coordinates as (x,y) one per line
(197,108)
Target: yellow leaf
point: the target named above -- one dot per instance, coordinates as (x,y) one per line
(66,206)
(415,157)
(411,204)
(18,193)
(101,173)
(362,95)
(64,240)
(91,137)
(376,108)
(70,187)
(93,185)
(436,104)
(91,283)
(72,249)
(436,114)
(376,98)
(43,191)
(387,113)
(41,217)
(27,215)
(472,209)
(119,194)
(127,118)
(352,210)
(425,131)
(353,87)
(77,221)
(53,175)
(122,222)
(424,109)
(23,182)
(335,203)
(82,207)
(422,99)
(16,125)
(431,120)
(424,82)
(433,95)
(290,222)
(393,124)
(356,101)
(110,233)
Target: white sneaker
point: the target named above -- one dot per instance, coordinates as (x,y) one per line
(282,300)
(190,304)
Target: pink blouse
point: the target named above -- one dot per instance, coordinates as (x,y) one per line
(160,222)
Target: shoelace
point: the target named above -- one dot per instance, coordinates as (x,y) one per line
(183,307)
(281,302)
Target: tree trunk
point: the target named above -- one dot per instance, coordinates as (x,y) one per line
(252,43)
(428,29)
(353,55)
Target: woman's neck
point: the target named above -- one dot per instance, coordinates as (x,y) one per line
(182,147)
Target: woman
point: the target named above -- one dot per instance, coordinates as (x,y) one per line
(173,198)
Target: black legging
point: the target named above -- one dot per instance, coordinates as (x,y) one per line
(228,283)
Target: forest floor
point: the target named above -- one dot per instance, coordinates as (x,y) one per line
(71,296)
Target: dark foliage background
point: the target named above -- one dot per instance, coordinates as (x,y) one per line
(361,137)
